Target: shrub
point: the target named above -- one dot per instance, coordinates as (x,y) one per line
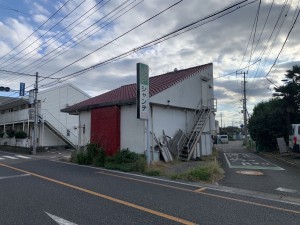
(10,133)
(73,158)
(82,158)
(91,152)
(140,164)
(126,156)
(99,159)
(126,161)
(21,134)
(209,172)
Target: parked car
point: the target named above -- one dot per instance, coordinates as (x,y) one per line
(294,137)
(224,139)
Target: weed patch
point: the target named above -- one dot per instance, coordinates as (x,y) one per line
(207,172)
(124,160)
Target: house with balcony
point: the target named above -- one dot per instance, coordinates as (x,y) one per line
(182,107)
(54,128)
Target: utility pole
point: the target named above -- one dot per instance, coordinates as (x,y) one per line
(245,106)
(221,119)
(34,146)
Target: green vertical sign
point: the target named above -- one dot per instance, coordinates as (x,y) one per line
(142,91)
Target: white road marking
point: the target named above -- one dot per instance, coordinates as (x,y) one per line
(23,157)
(287,190)
(210,187)
(59,220)
(15,176)
(9,157)
(1,158)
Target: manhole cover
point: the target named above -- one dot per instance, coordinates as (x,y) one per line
(250,172)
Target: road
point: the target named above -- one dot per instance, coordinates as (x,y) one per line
(42,191)
(273,176)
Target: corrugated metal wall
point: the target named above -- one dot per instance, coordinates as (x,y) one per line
(105,128)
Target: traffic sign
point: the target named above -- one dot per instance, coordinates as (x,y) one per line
(22,89)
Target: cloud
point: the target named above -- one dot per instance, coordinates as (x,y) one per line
(223,42)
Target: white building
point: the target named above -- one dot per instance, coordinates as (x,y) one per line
(180,100)
(54,128)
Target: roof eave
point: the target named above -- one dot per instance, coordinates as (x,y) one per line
(75,111)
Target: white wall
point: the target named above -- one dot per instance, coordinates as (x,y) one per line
(55,99)
(184,97)
(84,120)
(189,92)
(48,138)
(206,144)
(132,130)
(169,119)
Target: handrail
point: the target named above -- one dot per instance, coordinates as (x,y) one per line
(206,115)
(61,128)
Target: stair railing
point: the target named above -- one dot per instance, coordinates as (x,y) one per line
(196,134)
(60,128)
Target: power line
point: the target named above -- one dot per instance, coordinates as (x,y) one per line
(284,42)
(12,9)
(179,31)
(270,37)
(59,34)
(35,30)
(117,38)
(31,64)
(256,22)
(42,35)
(115,14)
(71,45)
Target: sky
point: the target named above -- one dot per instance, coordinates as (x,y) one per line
(60,38)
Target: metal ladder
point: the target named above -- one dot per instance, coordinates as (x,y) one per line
(190,141)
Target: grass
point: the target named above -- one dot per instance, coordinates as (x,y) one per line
(207,172)
(124,160)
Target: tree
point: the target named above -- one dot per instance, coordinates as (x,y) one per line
(290,94)
(268,122)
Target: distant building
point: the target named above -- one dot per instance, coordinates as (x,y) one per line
(182,100)
(54,128)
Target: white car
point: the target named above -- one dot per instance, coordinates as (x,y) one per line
(294,137)
(224,139)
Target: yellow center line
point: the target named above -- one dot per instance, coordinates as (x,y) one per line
(200,191)
(176,219)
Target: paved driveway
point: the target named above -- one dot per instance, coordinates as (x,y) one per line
(256,172)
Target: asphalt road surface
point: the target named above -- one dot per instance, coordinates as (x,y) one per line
(269,175)
(41,191)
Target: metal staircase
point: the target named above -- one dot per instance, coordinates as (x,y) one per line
(189,141)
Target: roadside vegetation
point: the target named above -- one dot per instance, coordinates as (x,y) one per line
(124,160)
(271,119)
(207,170)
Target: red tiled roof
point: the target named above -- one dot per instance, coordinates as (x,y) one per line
(127,94)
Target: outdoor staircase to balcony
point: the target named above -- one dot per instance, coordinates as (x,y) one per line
(189,141)
(59,134)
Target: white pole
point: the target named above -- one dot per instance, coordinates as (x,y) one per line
(148,136)
(35,116)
